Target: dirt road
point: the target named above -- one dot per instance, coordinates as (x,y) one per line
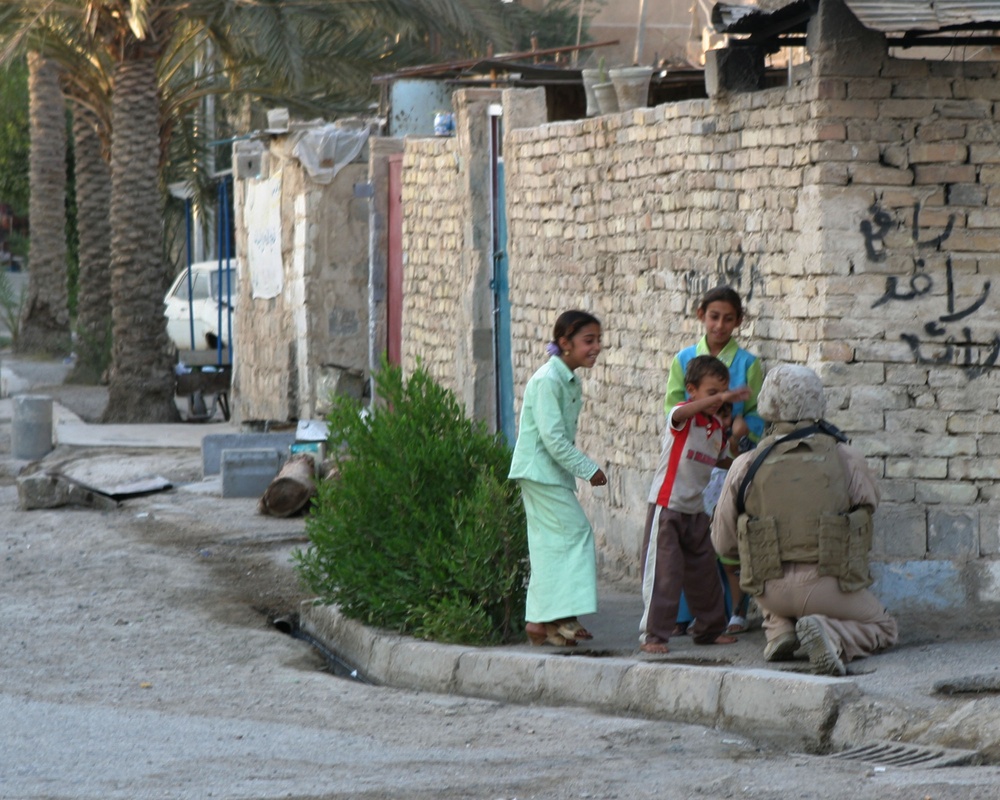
(139,662)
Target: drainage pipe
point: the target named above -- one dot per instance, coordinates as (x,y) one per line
(290,625)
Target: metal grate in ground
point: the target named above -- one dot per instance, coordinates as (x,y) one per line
(897,754)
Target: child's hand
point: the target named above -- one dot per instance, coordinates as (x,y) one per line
(738,395)
(598,478)
(740,428)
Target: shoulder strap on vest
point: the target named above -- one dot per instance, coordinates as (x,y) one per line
(821,426)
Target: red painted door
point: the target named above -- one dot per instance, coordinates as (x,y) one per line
(394,278)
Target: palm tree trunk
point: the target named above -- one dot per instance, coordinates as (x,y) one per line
(141,387)
(93,200)
(45,314)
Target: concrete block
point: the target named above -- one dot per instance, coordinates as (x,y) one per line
(379,665)
(673,691)
(919,585)
(48,490)
(989,530)
(213,445)
(426,666)
(247,473)
(953,533)
(987,581)
(900,531)
(31,428)
(566,680)
(516,678)
(934,492)
(734,69)
(927,468)
(795,710)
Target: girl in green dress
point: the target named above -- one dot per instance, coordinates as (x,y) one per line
(546,464)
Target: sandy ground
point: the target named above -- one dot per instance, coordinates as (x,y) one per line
(140,661)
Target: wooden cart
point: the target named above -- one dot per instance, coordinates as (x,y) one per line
(205,380)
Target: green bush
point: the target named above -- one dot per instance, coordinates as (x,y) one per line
(421,532)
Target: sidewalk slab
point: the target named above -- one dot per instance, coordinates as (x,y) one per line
(683,693)
(82,434)
(496,675)
(787,708)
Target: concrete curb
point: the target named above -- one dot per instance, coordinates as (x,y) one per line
(786,709)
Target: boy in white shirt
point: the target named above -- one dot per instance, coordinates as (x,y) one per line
(677,549)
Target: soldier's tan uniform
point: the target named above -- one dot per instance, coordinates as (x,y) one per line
(803,542)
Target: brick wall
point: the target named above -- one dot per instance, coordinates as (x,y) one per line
(910,326)
(633,217)
(448,254)
(435,213)
(854,210)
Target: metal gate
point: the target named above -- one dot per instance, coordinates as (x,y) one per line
(504,368)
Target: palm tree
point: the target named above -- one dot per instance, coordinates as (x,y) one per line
(264,46)
(93,199)
(44,324)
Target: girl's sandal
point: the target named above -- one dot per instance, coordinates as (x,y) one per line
(571,628)
(547,633)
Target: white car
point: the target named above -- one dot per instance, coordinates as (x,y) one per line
(205,301)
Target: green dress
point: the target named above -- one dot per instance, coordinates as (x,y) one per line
(546,464)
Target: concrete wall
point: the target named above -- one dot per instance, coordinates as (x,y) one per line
(448,254)
(311,340)
(855,212)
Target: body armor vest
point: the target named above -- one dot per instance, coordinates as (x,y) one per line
(798,509)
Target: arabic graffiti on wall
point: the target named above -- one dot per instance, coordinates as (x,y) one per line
(732,270)
(945,341)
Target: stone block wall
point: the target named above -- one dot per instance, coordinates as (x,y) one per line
(448,254)
(633,217)
(435,212)
(310,341)
(854,210)
(910,316)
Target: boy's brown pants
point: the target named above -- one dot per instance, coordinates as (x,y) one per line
(677,554)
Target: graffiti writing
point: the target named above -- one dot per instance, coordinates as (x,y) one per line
(972,362)
(874,232)
(730,270)
(934,345)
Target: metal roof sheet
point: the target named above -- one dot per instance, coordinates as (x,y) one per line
(896,16)
(728,18)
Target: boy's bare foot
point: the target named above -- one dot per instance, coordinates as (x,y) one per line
(656,648)
(724,639)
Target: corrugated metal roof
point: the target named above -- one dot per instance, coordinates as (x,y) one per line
(729,18)
(896,16)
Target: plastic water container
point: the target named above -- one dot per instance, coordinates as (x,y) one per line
(444,123)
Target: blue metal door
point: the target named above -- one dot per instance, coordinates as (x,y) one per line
(501,295)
